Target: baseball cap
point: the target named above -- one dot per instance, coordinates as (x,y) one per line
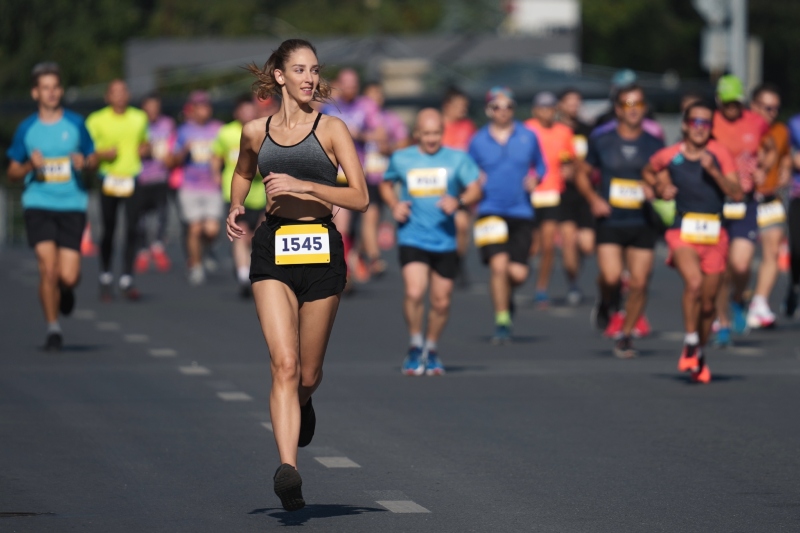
(623,78)
(545,99)
(730,89)
(199,97)
(494,92)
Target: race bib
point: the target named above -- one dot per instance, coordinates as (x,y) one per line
(734,210)
(427,182)
(626,194)
(200,151)
(302,244)
(341,179)
(119,187)
(581,146)
(56,170)
(770,213)
(700,228)
(545,198)
(159,150)
(490,230)
(376,163)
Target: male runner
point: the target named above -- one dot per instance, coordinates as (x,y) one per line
(152,191)
(621,80)
(577,228)
(771,214)
(120,135)
(199,195)
(625,235)
(555,141)
(744,134)
(697,173)
(226,154)
(434,182)
(50,151)
(505,150)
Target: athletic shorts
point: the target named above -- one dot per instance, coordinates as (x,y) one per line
(443,263)
(713,257)
(197,206)
(65,228)
(747,227)
(575,208)
(251,216)
(642,236)
(309,282)
(772,214)
(544,214)
(518,244)
(374,192)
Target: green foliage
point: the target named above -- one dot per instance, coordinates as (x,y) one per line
(338,17)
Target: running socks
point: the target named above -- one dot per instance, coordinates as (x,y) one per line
(430,346)
(692,339)
(54,327)
(416,340)
(243,274)
(125,281)
(502,318)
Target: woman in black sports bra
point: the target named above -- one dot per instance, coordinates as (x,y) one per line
(298,267)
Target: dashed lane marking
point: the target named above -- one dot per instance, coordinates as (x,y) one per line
(108,326)
(337,462)
(235,396)
(268,425)
(746,351)
(163,352)
(194,370)
(84,314)
(136,338)
(402,506)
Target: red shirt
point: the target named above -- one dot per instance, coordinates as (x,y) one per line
(557,146)
(458,134)
(742,138)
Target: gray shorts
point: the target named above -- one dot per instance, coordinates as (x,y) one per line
(197,206)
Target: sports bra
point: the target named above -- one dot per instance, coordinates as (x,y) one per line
(305,160)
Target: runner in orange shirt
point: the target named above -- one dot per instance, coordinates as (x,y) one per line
(555,140)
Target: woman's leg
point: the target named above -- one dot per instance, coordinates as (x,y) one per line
(316,323)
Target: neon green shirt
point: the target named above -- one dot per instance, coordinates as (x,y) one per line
(226,146)
(125,132)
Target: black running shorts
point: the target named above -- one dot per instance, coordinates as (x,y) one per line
(575,208)
(309,282)
(627,236)
(65,228)
(518,245)
(443,263)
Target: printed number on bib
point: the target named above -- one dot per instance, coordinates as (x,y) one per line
(427,181)
(341,179)
(119,187)
(626,194)
(304,244)
(376,163)
(700,228)
(771,213)
(490,230)
(734,210)
(545,198)
(56,170)
(201,151)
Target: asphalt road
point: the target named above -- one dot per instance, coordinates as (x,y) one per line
(155,418)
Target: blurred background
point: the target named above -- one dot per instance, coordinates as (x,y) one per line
(415,48)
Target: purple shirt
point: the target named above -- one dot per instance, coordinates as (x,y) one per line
(648,125)
(376,163)
(162,136)
(794,140)
(358,116)
(197,173)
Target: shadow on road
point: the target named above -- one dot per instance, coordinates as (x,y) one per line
(715,378)
(298,518)
(78,348)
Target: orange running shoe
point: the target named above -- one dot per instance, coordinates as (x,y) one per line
(160,258)
(703,375)
(614,328)
(690,360)
(142,263)
(641,328)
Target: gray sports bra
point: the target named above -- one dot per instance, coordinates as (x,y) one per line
(305,160)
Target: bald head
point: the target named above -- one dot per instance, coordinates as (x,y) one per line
(428,130)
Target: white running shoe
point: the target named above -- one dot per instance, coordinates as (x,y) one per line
(197,276)
(760,317)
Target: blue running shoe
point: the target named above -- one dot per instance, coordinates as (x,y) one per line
(433,365)
(723,338)
(502,334)
(414,364)
(541,300)
(739,318)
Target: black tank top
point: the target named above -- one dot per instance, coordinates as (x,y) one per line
(305,160)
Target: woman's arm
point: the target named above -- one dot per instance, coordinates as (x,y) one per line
(242,177)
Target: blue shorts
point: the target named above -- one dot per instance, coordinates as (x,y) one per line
(747,227)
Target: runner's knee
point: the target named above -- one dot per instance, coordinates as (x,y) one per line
(310,377)
(286,369)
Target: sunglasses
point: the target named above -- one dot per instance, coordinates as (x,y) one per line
(498,107)
(699,123)
(629,104)
(770,108)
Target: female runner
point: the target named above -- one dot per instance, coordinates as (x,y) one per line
(298,267)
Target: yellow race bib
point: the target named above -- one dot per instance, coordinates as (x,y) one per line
(734,210)
(200,151)
(302,244)
(341,179)
(626,194)
(700,228)
(376,163)
(118,186)
(427,182)
(490,230)
(545,198)
(771,213)
(56,170)
(159,150)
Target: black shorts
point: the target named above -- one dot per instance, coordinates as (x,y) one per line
(575,208)
(544,214)
(374,192)
(518,245)
(443,263)
(308,282)
(642,236)
(63,227)
(251,216)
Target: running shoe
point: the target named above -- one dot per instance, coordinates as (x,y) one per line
(701,375)
(288,487)
(197,276)
(760,317)
(541,300)
(245,291)
(623,348)
(574,297)
(54,342)
(433,365)
(790,305)
(414,363)
(723,338)
(614,328)
(160,258)
(642,328)
(690,358)
(502,334)
(600,316)
(308,423)
(142,262)
(739,318)
(106,292)
(131,293)
(67,300)
(210,262)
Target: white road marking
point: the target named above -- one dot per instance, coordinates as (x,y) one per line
(337,462)
(84,314)
(563,312)
(136,338)
(108,326)
(194,370)
(402,506)
(746,351)
(235,396)
(163,352)
(671,335)
(268,425)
